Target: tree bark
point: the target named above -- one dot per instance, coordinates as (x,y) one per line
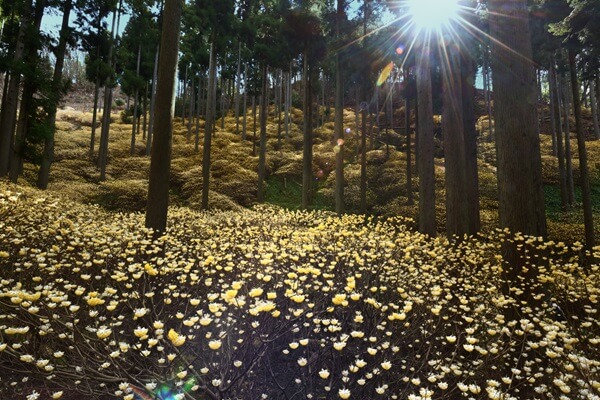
(29,88)
(10,105)
(457,218)
(520,190)
(237,89)
(245,107)
(308,137)
(152,102)
(583,167)
(425,160)
(568,153)
(61,51)
(262,152)
(470,135)
(208,125)
(559,137)
(160,164)
(339,116)
(409,188)
(135,104)
(594,105)
(108,96)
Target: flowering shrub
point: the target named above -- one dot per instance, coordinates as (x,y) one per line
(267,303)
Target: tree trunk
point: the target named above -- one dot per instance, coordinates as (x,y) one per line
(61,51)
(520,190)
(457,218)
(263,135)
(569,154)
(152,102)
(594,105)
(470,134)
(135,104)
(254,125)
(245,108)
(10,105)
(237,89)
(339,117)
(184,97)
(583,167)
(191,111)
(108,95)
(30,86)
(160,164)
(208,125)
(145,112)
(559,137)
(425,160)
(409,189)
(308,139)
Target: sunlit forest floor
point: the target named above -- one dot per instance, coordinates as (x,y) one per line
(234,165)
(264,301)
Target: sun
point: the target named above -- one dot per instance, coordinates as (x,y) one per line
(432,14)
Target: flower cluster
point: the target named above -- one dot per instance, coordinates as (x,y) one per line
(267,303)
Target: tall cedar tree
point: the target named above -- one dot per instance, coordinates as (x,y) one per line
(160,164)
(520,191)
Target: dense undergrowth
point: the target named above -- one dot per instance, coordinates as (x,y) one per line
(275,304)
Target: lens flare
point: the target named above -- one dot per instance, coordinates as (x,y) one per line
(432,14)
(385,73)
(400,50)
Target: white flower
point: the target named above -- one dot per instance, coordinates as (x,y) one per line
(344,394)
(302,361)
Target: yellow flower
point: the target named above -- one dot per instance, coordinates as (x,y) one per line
(103,333)
(214,344)
(344,394)
(255,292)
(94,301)
(175,338)
(324,374)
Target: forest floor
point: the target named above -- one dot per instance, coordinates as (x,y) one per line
(234,165)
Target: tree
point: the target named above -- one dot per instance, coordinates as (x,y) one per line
(57,88)
(11,98)
(160,164)
(425,160)
(520,192)
(339,112)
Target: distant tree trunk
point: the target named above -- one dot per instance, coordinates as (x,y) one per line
(108,96)
(263,135)
(487,91)
(160,164)
(339,116)
(145,112)
(135,104)
(192,106)
(520,191)
(197,111)
(594,105)
(152,102)
(222,102)
(237,89)
(61,51)
(96,94)
(208,125)
(29,88)
(583,167)
(457,217)
(363,153)
(308,136)
(470,135)
(279,108)
(425,145)
(254,125)
(184,98)
(10,105)
(563,83)
(555,102)
(409,189)
(245,110)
